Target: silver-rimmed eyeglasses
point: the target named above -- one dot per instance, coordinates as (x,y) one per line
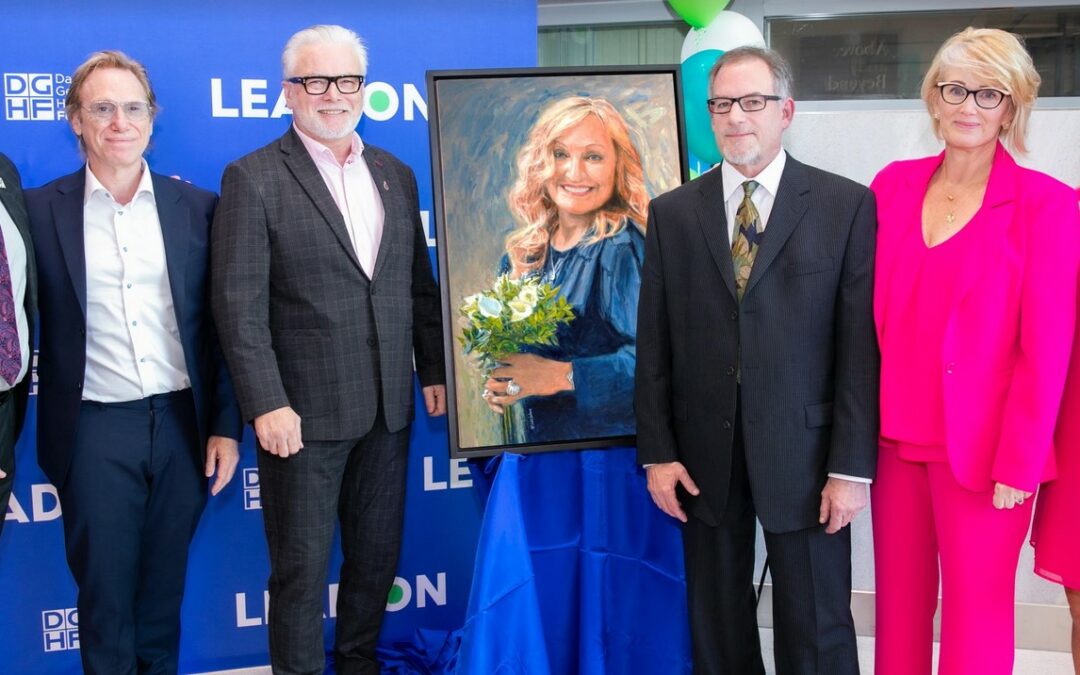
(721,105)
(136,111)
(318,84)
(987,98)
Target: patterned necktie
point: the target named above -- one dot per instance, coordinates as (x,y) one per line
(10,353)
(747,238)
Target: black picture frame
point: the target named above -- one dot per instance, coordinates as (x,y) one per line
(479,121)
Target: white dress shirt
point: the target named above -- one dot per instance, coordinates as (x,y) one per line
(133,347)
(16,255)
(764,197)
(355,193)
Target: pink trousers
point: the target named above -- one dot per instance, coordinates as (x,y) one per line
(922,518)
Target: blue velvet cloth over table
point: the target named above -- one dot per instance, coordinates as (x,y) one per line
(577,571)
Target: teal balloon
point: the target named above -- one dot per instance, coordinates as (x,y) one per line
(695,83)
(698,13)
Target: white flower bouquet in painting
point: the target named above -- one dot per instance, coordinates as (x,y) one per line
(511,315)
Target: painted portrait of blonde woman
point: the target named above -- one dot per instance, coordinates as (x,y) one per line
(563,191)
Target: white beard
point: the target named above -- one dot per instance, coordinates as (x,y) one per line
(318,128)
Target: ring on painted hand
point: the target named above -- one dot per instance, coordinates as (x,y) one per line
(513,388)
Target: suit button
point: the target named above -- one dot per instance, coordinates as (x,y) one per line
(731,370)
(735,316)
(371,341)
(373,290)
(949,367)
(727,424)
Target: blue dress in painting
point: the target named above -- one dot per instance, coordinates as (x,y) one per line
(601,281)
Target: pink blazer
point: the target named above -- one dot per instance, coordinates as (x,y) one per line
(1010,332)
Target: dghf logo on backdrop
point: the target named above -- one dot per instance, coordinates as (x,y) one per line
(60,629)
(252,500)
(35,97)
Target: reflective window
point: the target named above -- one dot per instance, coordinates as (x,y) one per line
(613,45)
(885,55)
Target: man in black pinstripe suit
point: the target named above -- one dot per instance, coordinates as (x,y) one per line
(757,379)
(323,295)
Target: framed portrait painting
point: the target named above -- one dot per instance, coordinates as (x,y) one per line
(542,183)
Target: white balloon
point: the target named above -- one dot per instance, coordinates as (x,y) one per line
(726,32)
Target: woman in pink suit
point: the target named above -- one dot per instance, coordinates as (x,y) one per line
(1057,546)
(975,303)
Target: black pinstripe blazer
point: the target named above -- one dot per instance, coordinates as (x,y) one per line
(804,335)
(300,322)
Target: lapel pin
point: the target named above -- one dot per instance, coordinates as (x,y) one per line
(385,186)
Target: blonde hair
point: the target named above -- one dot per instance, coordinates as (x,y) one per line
(998,57)
(533,209)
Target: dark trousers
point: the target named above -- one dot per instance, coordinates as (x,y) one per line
(7,451)
(131,502)
(811,572)
(361,483)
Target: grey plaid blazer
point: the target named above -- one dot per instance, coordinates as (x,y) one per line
(300,322)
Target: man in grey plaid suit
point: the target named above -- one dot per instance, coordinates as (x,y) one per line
(323,296)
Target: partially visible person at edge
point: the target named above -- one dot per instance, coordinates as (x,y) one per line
(135,406)
(1054,533)
(18,305)
(580,202)
(975,303)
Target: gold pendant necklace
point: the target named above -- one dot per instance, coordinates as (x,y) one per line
(950,216)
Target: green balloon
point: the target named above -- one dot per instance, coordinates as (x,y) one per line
(698,13)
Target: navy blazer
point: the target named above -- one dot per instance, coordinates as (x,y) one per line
(56,224)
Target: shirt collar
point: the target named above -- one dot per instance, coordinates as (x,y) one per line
(94,186)
(318,151)
(769,178)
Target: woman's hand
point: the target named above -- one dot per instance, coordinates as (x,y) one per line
(524,375)
(1006,497)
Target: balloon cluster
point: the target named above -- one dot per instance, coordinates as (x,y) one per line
(713,32)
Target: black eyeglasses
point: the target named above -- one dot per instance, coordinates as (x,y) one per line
(318,84)
(955,94)
(721,105)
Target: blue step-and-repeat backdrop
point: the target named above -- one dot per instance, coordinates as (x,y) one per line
(216,69)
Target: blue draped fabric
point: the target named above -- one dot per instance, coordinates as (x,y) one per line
(576,572)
